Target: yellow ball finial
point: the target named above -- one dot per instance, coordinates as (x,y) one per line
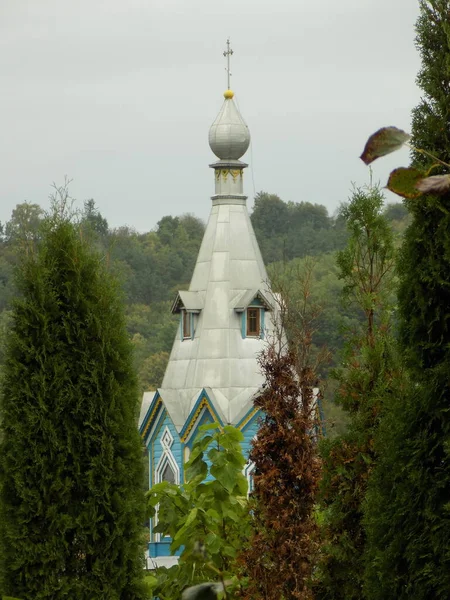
(228,94)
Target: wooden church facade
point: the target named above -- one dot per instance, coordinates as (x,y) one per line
(225,317)
(169,450)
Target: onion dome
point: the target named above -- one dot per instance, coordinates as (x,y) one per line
(229,136)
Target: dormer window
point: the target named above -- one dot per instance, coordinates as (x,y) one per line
(189,305)
(186,324)
(252,305)
(253,322)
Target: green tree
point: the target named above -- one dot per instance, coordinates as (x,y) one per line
(208,517)
(93,220)
(71,508)
(152,370)
(408,512)
(395,212)
(24,223)
(330,321)
(288,230)
(366,378)
(430,130)
(270,214)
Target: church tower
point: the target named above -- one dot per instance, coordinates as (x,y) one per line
(224,318)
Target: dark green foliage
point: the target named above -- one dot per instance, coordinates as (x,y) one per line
(368,376)
(430,119)
(93,220)
(371,379)
(408,510)
(366,264)
(408,518)
(424,294)
(153,266)
(71,509)
(395,212)
(208,517)
(290,230)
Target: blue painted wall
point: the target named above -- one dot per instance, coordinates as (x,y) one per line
(157,448)
(249,430)
(206,418)
(155,452)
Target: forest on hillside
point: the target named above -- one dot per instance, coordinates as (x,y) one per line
(152,266)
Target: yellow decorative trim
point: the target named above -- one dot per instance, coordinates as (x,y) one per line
(150,419)
(200,407)
(235,173)
(203,404)
(225,173)
(217,172)
(248,418)
(156,436)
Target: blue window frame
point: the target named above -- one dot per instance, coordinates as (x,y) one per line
(252,324)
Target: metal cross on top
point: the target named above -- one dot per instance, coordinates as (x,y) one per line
(227,53)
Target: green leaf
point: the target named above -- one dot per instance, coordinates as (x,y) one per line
(213,543)
(231,514)
(209,427)
(225,475)
(232,435)
(163,487)
(196,468)
(382,142)
(403,181)
(230,551)
(213,514)
(201,442)
(191,517)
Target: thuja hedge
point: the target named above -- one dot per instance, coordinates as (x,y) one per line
(71,502)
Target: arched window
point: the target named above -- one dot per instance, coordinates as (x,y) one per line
(166,470)
(168,474)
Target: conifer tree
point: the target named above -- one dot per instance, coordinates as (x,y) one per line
(365,380)
(430,118)
(280,555)
(71,500)
(408,511)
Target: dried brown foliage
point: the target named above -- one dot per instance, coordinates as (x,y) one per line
(280,556)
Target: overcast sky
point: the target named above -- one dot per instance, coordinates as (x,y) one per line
(120,94)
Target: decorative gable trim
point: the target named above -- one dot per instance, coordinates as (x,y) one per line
(151,416)
(203,403)
(248,298)
(253,412)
